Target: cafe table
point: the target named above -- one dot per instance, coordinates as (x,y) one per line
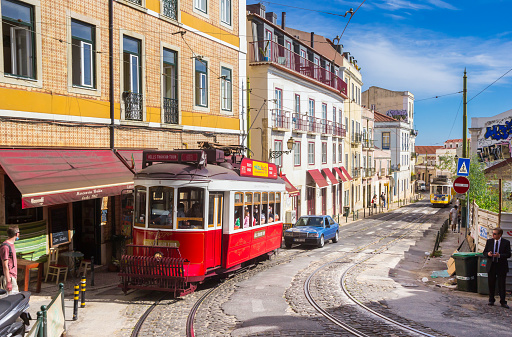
(72,256)
(26,265)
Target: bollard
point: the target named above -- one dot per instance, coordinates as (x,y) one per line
(75,302)
(45,321)
(92,271)
(82,291)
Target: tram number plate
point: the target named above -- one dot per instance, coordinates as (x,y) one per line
(299,240)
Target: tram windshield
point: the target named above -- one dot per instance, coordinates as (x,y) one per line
(161,201)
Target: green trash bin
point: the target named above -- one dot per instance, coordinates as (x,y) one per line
(481,275)
(466,269)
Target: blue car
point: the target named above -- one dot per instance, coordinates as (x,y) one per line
(312,230)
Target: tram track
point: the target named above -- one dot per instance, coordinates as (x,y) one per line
(413,225)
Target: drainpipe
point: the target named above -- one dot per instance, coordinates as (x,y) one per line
(111,68)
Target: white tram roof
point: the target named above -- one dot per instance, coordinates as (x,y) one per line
(208,174)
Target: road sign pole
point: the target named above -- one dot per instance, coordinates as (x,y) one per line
(464,138)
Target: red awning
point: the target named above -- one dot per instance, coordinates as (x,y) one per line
(318,178)
(51,177)
(289,187)
(133,158)
(345,172)
(331,176)
(340,174)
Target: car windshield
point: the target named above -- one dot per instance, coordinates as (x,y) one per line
(310,221)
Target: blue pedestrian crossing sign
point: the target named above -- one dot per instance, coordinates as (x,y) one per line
(463,167)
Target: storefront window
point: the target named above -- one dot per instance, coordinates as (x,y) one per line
(140,206)
(161,201)
(14,214)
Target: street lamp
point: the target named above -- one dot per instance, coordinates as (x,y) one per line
(277,154)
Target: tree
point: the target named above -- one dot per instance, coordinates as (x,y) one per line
(447,163)
(481,190)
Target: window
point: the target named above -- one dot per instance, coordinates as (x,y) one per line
(14,213)
(239,210)
(296,153)
(161,201)
(170,8)
(334,114)
(140,206)
(311,153)
(18,39)
(201,82)
(340,155)
(225,12)
(311,115)
(278,146)
(225,89)
(170,80)
(385,140)
(190,208)
(201,5)
(324,153)
(334,153)
(324,118)
(346,159)
(132,70)
(83,53)
(297,103)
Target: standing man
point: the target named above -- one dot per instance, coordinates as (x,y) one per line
(383,198)
(497,251)
(9,261)
(453,218)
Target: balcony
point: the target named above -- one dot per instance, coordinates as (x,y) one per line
(383,172)
(299,122)
(171,111)
(369,172)
(338,130)
(356,139)
(356,173)
(280,120)
(395,168)
(132,106)
(266,51)
(325,127)
(368,144)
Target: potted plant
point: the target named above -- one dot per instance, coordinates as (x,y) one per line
(264,51)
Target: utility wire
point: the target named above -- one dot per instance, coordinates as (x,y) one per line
(487,87)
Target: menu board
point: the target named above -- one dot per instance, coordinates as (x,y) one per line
(59,225)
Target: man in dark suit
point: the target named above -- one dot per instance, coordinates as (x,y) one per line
(497,251)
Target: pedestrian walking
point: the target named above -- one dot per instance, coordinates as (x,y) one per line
(383,198)
(9,261)
(453,218)
(497,251)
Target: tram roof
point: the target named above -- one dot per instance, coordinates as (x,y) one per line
(173,171)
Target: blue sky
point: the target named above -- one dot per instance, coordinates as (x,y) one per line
(423,46)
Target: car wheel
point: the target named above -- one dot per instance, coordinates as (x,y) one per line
(336,237)
(322,242)
(288,245)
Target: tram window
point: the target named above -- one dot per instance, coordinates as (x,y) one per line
(239,210)
(256,203)
(277,208)
(271,207)
(211,210)
(161,201)
(140,206)
(264,207)
(439,190)
(190,199)
(248,211)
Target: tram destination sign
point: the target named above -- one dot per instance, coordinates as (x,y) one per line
(259,169)
(177,156)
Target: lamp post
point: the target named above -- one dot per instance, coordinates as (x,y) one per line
(277,154)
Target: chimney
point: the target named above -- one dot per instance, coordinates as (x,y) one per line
(272,17)
(346,54)
(258,9)
(312,40)
(339,48)
(283,20)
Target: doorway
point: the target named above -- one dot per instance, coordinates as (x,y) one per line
(87,225)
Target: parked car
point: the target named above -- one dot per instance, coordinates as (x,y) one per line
(312,230)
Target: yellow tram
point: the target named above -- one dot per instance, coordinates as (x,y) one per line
(441,191)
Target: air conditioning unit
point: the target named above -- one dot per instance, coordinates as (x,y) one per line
(291,217)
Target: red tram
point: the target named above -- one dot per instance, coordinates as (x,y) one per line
(199,214)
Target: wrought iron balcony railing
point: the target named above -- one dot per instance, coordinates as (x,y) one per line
(171,111)
(170,8)
(356,138)
(356,173)
(368,143)
(132,105)
(369,172)
(267,51)
(299,122)
(280,119)
(338,130)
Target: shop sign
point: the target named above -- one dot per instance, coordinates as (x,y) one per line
(253,168)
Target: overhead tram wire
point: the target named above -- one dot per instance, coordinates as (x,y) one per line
(487,87)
